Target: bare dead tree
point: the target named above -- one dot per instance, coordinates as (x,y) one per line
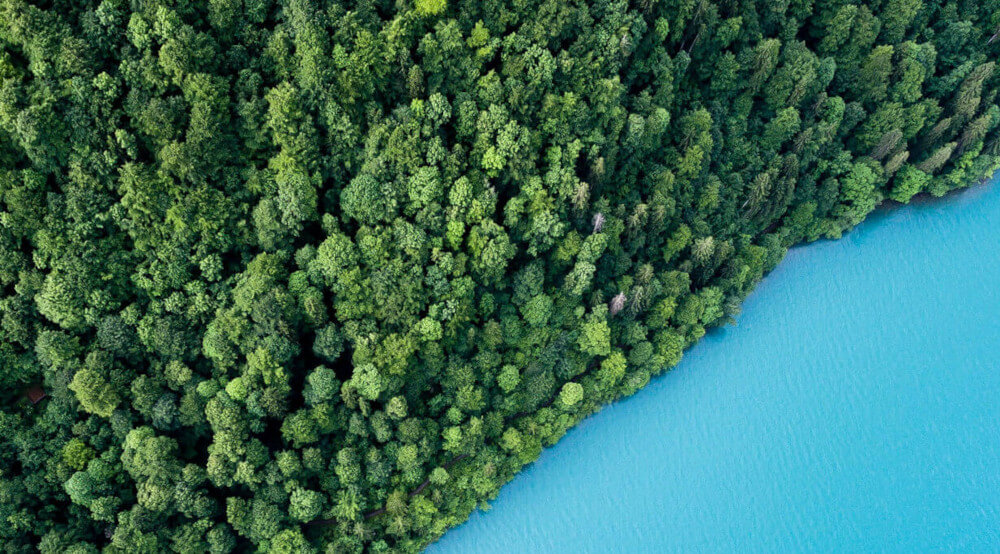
(598,222)
(617,303)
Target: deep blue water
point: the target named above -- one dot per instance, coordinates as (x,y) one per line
(855,406)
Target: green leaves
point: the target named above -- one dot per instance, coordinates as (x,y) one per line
(430,7)
(278,262)
(595,335)
(368,381)
(94,393)
(367,201)
(571,394)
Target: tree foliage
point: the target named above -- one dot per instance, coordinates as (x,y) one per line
(309,275)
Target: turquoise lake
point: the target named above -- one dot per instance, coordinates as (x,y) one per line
(854,406)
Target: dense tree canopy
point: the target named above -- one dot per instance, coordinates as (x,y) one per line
(322,275)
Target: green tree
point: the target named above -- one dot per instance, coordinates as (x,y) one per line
(94,393)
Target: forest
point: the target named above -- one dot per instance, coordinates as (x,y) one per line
(323,275)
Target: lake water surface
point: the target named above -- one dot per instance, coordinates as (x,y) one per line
(855,406)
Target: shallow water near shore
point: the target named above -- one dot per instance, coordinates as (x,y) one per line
(854,406)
